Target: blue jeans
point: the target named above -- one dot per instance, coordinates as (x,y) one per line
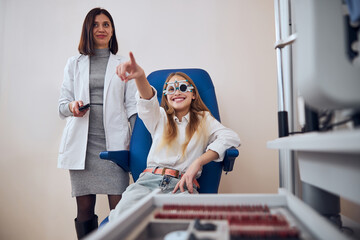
(146,183)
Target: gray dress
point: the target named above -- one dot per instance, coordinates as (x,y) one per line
(100,176)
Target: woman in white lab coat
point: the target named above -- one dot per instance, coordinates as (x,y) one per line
(90,78)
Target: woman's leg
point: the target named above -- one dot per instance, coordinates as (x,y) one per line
(86,220)
(85,207)
(113,201)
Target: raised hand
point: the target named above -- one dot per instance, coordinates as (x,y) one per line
(130,69)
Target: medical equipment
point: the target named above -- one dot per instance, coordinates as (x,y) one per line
(172,87)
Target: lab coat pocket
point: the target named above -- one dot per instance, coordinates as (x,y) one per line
(67,129)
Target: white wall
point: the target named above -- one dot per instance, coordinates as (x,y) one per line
(233,40)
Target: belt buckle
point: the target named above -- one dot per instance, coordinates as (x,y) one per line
(177,172)
(163,171)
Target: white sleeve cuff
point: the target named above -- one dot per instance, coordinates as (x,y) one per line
(220,148)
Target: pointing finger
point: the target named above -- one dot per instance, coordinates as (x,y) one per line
(132,58)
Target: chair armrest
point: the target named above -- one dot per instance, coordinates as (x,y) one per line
(230,155)
(121,158)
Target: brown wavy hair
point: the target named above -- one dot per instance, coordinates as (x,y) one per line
(86,45)
(197,112)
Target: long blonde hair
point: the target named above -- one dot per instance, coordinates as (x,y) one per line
(196,123)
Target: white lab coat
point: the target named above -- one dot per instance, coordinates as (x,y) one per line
(118,105)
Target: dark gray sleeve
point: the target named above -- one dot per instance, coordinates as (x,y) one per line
(132,121)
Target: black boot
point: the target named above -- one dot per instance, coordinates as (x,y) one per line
(83,228)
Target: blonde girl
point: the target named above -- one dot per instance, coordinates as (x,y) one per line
(185,136)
